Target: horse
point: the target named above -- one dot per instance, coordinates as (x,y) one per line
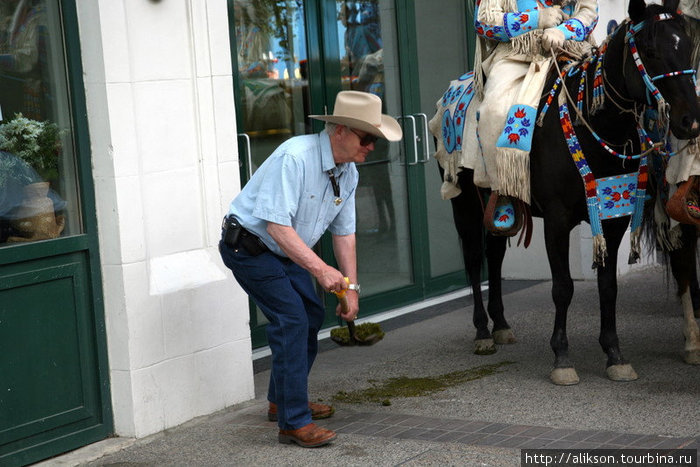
(647,57)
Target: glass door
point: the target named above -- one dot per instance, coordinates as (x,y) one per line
(441,39)
(272,90)
(271,71)
(368,58)
(405,51)
(291,58)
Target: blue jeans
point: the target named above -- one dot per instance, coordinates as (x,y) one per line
(284,292)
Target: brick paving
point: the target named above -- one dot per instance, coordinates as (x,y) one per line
(479,433)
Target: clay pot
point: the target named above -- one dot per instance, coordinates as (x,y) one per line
(35,218)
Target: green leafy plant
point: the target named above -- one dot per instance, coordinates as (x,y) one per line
(37,143)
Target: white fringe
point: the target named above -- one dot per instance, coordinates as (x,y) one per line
(478,82)
(600,251)
(529,44)
(513,171)
(635,246)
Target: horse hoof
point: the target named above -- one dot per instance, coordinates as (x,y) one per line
(484,347)
(692,357)
(564,376)
(621,372)
(504,336)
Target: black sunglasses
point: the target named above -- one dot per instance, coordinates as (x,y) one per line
(365,140)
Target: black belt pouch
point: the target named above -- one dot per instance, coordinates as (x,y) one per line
(235,236)
(231,231)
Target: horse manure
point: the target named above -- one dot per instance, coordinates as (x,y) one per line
(403,386)
(363,332)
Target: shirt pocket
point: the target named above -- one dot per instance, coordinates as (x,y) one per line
(309,210)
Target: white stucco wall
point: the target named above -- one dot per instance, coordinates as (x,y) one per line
(162,129)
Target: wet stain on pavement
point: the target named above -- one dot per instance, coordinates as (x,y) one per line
(403,386)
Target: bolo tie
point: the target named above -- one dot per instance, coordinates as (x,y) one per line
(336,188)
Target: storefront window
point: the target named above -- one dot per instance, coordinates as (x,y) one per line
(38,184)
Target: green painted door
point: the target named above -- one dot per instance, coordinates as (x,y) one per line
(54,384)
(290,60)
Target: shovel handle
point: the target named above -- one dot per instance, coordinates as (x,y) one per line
(343,303)
(343,299)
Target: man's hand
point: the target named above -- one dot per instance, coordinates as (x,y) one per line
(552,38)
(331,280)
(551,17)
(352,300)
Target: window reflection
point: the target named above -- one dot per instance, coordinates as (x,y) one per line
(363,67)
(38,186)
(272,70)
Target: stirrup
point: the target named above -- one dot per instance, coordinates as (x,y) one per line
(506,216)
(501,217)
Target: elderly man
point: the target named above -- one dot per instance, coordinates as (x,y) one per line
(306,186)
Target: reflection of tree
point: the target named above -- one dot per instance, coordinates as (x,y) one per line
(260,20)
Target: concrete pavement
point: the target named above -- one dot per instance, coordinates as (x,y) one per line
(491,407)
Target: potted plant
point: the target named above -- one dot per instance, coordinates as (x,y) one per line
(37,143)
(29,154)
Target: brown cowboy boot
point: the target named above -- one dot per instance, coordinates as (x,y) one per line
(309,436)
(318,411)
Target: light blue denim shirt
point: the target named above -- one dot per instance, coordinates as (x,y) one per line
(292,188)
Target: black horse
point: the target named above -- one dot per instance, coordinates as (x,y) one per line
(558,193)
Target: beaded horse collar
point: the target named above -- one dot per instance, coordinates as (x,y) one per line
(597,60)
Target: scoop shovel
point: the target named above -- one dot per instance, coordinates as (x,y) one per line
(352,331)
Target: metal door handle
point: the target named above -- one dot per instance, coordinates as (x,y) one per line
(415,138)
(249,157)
(426,143)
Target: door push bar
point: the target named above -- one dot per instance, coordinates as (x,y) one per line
(248,155)
(426,141)
(415,137)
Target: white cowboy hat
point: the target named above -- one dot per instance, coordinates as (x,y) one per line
(363,111)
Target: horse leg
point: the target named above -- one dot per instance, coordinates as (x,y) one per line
(495,252)
(467,213)
(556,237)
(695,292)
(691,332)
(683,269)
(617,369)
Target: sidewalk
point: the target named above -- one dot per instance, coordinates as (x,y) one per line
(491,407)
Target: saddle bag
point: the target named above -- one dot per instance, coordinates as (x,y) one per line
(684,205)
